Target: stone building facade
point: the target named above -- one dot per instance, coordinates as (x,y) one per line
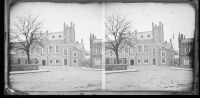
(60,49)
(185,47)
(149,49)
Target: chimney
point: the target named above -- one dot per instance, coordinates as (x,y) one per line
(64,26)
(82,40)
(71,24)
(159,23)
(170,40)
(47,33)
(152,24)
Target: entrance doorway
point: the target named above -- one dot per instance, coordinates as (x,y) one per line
(154,61)
(43,62)
(65,62)
(132,62)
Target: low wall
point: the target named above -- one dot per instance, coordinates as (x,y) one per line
(97,66)
(111,67)
(24,67)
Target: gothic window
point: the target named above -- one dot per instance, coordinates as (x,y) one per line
(162,53)
(131,49)
(163,61)
(111,53)
(145,48)
(75,54)
(50,48)
(44,49)
(187,50)
(74,61)
(139,48)
(51,61)
(154,51)
(126,50)
(146,61)
(65,51)
(138,61)
(57,48)
(186,61)
(57,61)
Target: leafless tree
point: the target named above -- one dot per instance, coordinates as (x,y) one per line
(118,30)
(26,32)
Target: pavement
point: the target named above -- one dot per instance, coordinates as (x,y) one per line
(74,78)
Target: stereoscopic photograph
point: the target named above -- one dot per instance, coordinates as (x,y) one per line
(100,48)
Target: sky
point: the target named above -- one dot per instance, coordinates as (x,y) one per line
(88,17)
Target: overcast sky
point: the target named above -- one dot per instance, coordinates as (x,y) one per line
(88,17)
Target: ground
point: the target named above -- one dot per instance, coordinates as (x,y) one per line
(68,78)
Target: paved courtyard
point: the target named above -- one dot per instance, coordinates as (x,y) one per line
(66,78)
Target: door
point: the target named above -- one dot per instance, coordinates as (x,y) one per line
(43,62)
(65,62)
(132,62)
(154,61)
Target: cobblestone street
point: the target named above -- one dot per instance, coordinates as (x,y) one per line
(63,78)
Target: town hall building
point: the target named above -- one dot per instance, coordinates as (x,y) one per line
(60,49)
(150,49)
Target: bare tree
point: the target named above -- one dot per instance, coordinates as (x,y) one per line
(26,32)
(118,30)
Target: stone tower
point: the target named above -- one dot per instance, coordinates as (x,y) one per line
(158,32)
(69,33)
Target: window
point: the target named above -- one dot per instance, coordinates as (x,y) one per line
(111,53)
(75,62)
(126,50)
(60,36)
(57,61)
(141,36)
(145,48)
(120,50)
(65,51)
(123,50)
(57,48)
(187,50)
(75,54)
(97,61)
(146,61)
(44,49)
(163,61)
(131,49)
(186,61)
(38,50)
(148,35)
(139,48)
(50,48)
(162,53)
(154,51)
(51,61)
(53,37)
(138,61)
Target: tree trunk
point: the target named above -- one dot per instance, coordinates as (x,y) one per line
(28,57)
(117,57)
